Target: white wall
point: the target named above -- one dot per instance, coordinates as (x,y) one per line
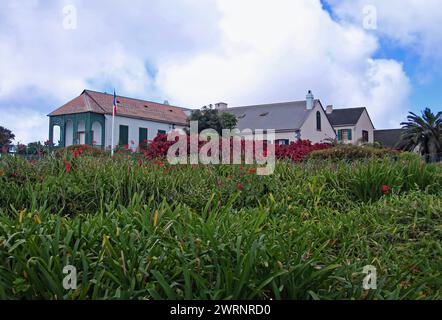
(364,123)
(134,126)
(308,129)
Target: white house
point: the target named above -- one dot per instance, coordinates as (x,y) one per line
(352,125)
(292,121)
(87,119)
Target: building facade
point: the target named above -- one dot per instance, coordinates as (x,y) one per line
(292,121)
(87,119)
(352,125)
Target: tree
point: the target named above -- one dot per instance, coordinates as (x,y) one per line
(210,118)
(35,148)
(6,136)
(423,132)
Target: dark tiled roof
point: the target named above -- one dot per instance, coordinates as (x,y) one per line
(98,102)
(278,116)
(388,138)
(345,117)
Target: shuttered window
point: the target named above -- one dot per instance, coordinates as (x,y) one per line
(124,136)
(142,138)
(142,135)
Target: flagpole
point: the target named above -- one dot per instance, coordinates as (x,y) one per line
(113,125)
(114,106)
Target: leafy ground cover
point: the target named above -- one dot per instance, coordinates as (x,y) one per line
(142,229)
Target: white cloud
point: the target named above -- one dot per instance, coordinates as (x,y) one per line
(203,50)
(27,125)
(409,23)
(111,44)
(280,49)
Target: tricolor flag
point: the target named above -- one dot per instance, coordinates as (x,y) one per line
(115,104)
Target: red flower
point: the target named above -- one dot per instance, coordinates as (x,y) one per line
(68,167)
(14,175)
(241,168)
(240,186)
(252,171)
(385,189)
(76,154)
(140,163)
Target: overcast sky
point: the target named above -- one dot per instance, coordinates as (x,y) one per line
(384,55)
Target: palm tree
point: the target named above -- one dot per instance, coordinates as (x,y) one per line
(424,133)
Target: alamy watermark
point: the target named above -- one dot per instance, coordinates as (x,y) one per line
(70,19)
(234,147)
(70,281)
(370,17)
(370,280)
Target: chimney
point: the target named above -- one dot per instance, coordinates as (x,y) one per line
(166,102)
(310,98)
(329,109)
(221,106)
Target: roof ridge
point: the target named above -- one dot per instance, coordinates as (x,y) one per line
(104,110)
(270,104)
(138,99)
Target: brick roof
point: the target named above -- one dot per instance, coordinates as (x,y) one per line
(98,102)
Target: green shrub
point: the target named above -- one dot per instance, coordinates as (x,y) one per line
(352,152)
(140,229)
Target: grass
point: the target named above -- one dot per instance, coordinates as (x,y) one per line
(152,231)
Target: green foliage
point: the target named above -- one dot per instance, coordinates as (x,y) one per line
(6,136)
(210,118)
(351,152)
(147,230)
(424,133)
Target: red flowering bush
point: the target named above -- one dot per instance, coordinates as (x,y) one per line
(80,150)
(158,147)
(297,151)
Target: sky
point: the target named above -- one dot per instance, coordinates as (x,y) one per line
(383,55)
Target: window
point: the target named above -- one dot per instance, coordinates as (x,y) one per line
(142,138)
(364,136)
(282,142)
(123,136)
(81,137)
(161,131)
(345,135)
(318,121)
